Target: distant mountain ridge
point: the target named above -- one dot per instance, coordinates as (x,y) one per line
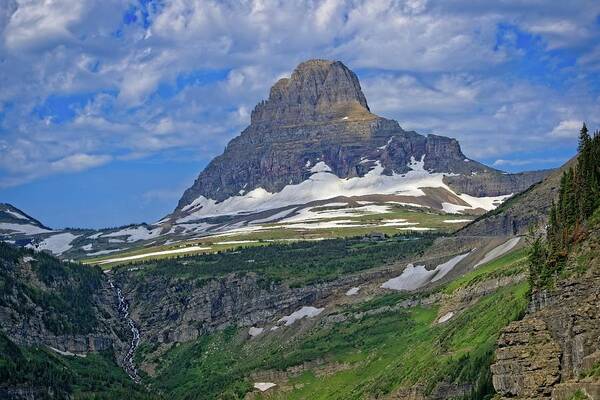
(313,143)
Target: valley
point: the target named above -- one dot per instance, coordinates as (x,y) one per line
(326,254)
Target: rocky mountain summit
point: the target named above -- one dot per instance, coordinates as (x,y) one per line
(320,117)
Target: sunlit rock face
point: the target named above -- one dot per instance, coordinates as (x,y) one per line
(320,115)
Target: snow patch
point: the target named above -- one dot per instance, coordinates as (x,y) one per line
(56,244)
(16,215)
(320,167)
(87,247)
(308,312)
(253,331)
(498,251)
(25,229)
(414,277)
(274,217)
(66,353)
(387,144)
(99,253)
(352,291)
(443,269)
(445,317)
(264,386)
(136,233)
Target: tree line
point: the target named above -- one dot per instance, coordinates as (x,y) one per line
(578,199)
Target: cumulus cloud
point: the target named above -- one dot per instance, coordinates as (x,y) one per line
(566,129)
(132,79)
(78,162)
(527,161)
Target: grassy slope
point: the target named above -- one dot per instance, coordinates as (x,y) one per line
(378,354)
(274,231)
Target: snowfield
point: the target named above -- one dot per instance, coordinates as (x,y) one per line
(498,251)
(308,312)
(323,184)
(415,277)
(56,244)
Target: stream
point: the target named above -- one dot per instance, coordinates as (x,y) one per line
(123,308)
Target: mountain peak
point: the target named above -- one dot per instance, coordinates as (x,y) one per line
(317,90)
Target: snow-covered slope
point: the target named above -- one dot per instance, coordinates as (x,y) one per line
(411,187)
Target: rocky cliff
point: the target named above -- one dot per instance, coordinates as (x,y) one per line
(554,352)
(61,305)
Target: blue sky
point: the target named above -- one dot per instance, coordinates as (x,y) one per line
(109,109)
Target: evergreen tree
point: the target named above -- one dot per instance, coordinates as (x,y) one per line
(584,138)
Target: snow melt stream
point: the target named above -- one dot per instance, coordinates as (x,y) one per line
(123,309)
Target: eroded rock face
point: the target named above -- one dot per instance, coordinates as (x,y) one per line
(527,360)
(180,311)
(320,114)
(549,353)
(516,216)
(318,90)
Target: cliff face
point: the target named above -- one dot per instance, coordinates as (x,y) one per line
(554,350)
(320,114)
(61,305)
(177,310)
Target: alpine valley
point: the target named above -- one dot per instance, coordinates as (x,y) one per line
(326,254)
(314,163)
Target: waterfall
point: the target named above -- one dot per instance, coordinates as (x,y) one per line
(123,309)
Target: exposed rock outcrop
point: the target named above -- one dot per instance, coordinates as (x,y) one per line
(550,353)
(179,311)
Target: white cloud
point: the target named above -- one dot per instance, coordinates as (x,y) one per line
(79,162)
(566,129)
(528,161)
(433,66)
